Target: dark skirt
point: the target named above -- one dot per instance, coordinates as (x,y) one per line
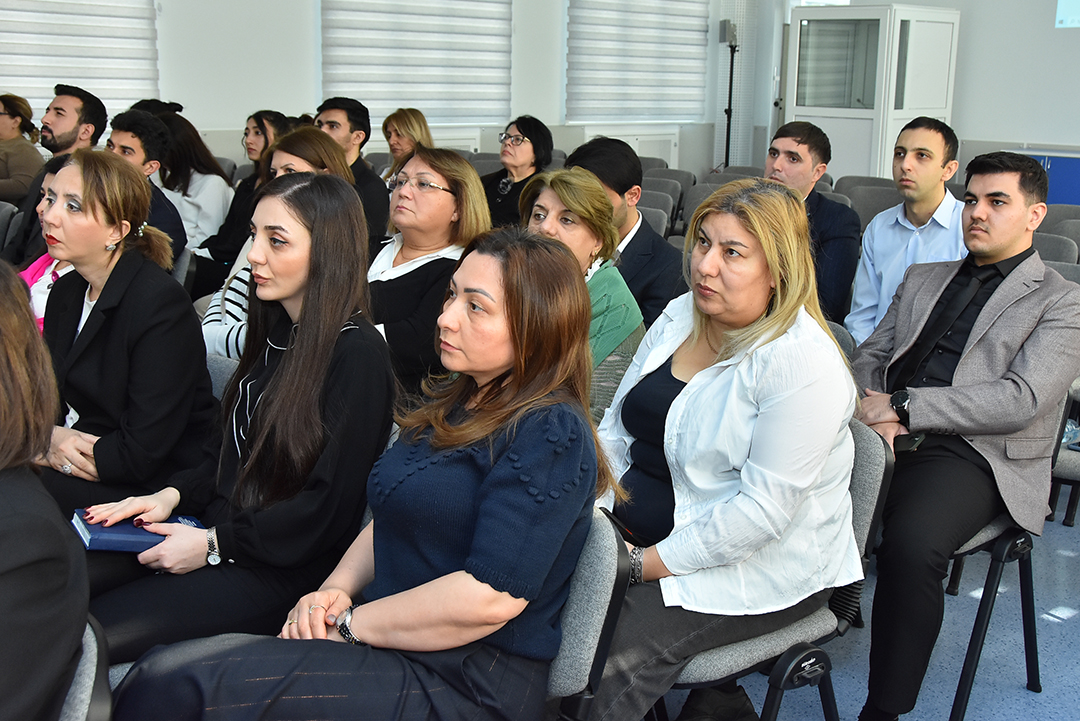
(255,677)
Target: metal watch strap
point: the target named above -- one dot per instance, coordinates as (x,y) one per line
(637,558)
(213,556)
(344,629)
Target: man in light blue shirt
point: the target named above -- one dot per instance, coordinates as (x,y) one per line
(925,228)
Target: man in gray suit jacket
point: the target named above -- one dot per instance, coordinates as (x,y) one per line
(965,376)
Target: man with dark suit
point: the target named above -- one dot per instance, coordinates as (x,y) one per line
(965,376)
(798,156)
(348,122)
(651,267)
(142,139)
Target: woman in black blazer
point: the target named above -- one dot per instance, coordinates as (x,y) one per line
(127,349)
(42,567)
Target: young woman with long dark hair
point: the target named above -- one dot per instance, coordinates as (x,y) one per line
(305,416)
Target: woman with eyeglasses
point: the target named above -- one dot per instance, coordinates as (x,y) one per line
(436,208)
(20,161)
(526,147)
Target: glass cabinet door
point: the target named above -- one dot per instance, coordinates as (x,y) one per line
(837,63)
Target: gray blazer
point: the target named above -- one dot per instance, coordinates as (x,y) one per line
(1014,372)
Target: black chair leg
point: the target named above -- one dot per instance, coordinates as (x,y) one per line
(1070,512)
(1055,493)
(1010,546)
(828,698)
(1027,606)
(658,712)
(953,589)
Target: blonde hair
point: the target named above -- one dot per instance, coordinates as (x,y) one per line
(411,123)
(583,195)
(114,191)
(474,217)
(776,216)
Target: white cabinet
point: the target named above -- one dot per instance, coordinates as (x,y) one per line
(861,72)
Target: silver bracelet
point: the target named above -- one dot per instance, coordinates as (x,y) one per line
(637,558)
(345,630)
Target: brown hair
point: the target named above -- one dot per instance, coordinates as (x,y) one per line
(29,401)
(411,123)
(474,216)
(114,191)
(548,308)
(313,145)
(19,107)
(583,195)
(287,433)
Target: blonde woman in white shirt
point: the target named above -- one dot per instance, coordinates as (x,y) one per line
(729,430)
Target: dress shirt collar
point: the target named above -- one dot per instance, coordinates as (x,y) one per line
(942,216)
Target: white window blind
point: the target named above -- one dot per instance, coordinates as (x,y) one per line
(106,47)
(450,60)
(636,60)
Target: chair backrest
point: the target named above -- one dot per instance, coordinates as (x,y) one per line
(750,171)
(871,474)
(678,242)
(486,167)
(1070,271)
(1054,247)
(1057,212)
(556,153)
(826,178)
(658,200)
(484,156)
(227,164)
(1067,228)
(843,338)
(241,172)
(663,185)
(378,161)
(697,196)
(591,611)
(837,197)
(657,219)
(13,227)
(221,370)
(88,698)
(556,163)
(957,188)
(685,178)
(846,183)
(7,212)
(868,201)
(822,187)
(648,163)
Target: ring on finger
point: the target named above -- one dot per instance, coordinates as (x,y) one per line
(66,469)
(290,622)
(317,605)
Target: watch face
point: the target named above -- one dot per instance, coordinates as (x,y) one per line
(213,559)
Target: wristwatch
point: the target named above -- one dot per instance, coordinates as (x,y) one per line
(212,555)
(344,629)
(900,400)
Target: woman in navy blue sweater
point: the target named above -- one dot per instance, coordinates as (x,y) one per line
(448,603)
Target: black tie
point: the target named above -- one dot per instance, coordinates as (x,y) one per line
(932,333)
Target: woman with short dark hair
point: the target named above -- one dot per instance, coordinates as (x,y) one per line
(525,148)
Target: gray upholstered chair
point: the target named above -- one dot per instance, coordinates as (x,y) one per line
(378,161)
(836,197)
(1054,247)
(221,370)
(242,171)
(663,185)
(1068,228)
(648,163)
(89,697)
(846,183)
(684,178)
(1056,213)
(750,171)
(588,619)
(13,227)
(485,166)
(1066,472)
(7,212)
(868,201)
(798,660)
(826,178)
(657,219)
(181,267)
(227,164)
(660,201)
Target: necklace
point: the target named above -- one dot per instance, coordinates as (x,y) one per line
(708,341)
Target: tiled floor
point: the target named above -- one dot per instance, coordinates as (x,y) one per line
(999,693)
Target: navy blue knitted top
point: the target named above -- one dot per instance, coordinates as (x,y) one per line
(513,514)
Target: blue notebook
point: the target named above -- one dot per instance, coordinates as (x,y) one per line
(122,536)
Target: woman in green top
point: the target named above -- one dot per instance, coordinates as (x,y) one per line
(570,206)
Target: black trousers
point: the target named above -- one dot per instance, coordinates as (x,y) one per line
(941,495)
(252,677)
(139,609)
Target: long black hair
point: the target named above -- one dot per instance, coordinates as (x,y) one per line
(188,154)
(287,434)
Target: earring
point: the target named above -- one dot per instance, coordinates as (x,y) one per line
(111,247)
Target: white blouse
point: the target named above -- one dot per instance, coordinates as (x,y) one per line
(760,457)
(203,208)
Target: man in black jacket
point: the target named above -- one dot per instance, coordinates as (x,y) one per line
(651,267)
(348,122)
(798,156)
(141,139)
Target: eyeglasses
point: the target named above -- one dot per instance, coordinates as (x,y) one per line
(514,139)
(420,184)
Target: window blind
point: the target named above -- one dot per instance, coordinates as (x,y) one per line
(637,59)
(450,60)
(107,47)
